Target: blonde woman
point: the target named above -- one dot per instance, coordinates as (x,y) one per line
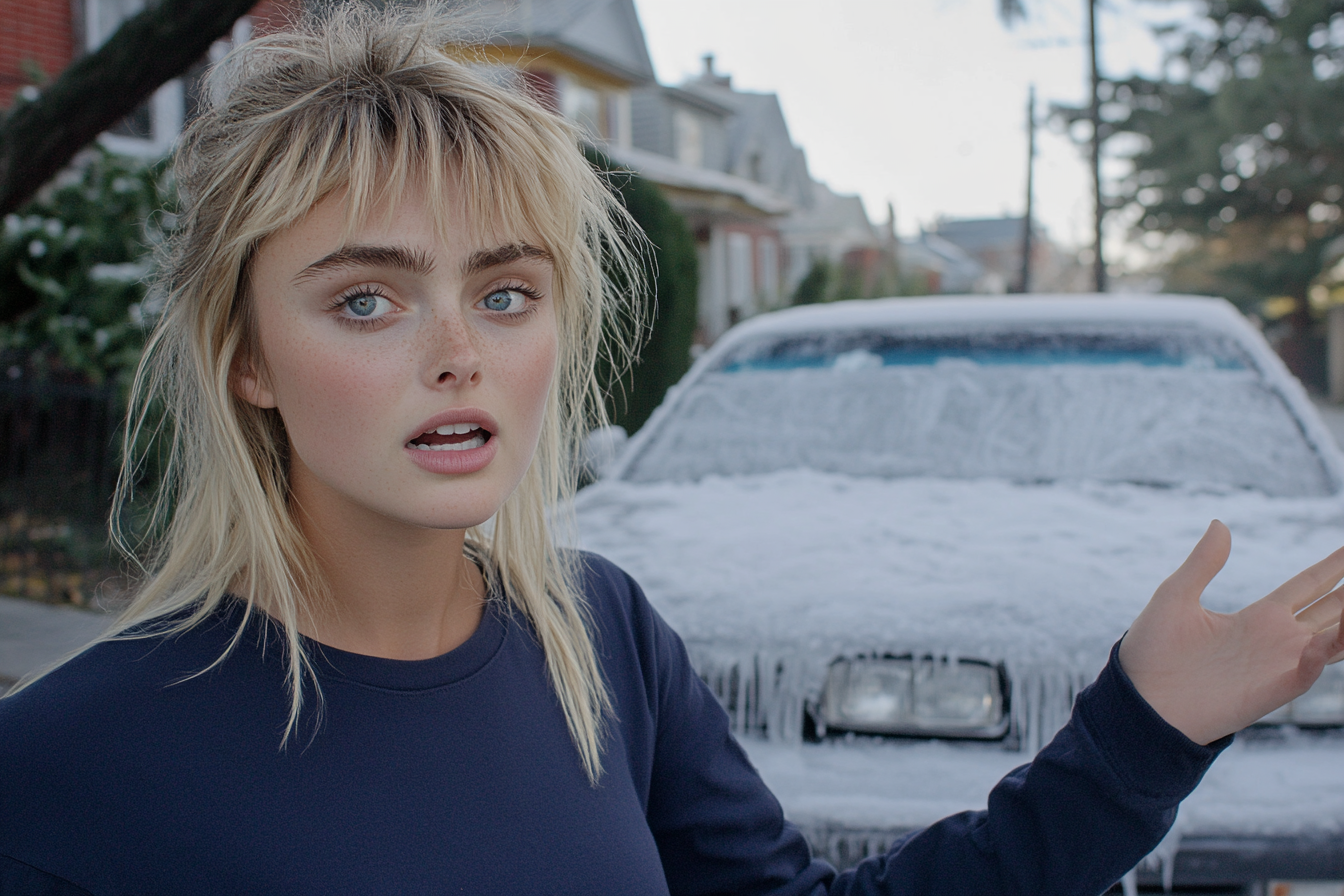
(358,663)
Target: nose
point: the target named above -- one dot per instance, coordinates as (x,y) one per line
(453,358)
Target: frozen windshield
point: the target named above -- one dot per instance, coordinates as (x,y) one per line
(1164,407)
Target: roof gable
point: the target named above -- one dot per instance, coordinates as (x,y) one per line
(602,33)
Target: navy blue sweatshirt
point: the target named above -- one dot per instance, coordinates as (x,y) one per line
(119,774)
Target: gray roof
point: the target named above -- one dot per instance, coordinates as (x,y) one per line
(605,34)
(959,271)
(830,212)
(671,173)
(700,100)
(976,234)
(758,130)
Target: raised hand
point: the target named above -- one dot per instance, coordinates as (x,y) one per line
(1210,674)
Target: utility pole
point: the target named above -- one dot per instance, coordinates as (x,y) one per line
(1025,284)
(1099,207)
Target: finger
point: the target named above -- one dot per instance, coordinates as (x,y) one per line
(1324,648)
(1198,570)
(1323,613)
(1311,583)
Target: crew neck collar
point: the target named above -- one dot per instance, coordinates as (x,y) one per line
(456,665)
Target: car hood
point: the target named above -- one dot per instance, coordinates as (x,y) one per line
(1036,572)
(795,568)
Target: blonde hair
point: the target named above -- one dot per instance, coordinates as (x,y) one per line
(363,100)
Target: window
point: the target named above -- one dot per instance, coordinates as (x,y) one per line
(688,138)
(618,118)
(583,106)
(152,127)
(754,168)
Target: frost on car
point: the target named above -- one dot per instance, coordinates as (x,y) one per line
(899,536)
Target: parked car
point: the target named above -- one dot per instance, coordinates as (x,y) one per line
(898,536)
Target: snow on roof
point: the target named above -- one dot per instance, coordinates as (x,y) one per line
(960,310)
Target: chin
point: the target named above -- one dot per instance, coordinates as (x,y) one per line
(453,511)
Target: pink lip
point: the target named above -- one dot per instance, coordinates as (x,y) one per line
(455,461)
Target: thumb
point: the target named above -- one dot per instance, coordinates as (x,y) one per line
(1194,575)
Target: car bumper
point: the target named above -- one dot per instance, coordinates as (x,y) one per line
(1226,863)
(1224,860)
(853,798)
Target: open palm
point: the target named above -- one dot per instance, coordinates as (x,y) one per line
(1211,674)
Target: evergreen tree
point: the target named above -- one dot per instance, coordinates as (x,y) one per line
(672,272)
(815,284)
(78,257)
(1240,150)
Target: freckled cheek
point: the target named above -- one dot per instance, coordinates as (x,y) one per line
(332,399)
(526,374)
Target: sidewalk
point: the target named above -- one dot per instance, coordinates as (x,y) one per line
(33,634)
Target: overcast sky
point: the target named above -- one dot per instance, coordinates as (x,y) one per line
(920,102)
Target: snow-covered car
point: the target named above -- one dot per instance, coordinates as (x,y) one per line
(898,536)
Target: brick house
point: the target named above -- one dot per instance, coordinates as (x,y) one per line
(41,37)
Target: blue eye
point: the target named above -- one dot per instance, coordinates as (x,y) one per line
(367,306)
(506,301)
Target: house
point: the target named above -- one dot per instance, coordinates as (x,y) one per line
(819,225)
(723,157)
(834,229)
(996,244)
(580,58)
(748,256)
(41,37)
(683,143)
(941,266)
(587,59)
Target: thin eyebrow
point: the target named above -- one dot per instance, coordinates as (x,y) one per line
(396,257)
(489,258)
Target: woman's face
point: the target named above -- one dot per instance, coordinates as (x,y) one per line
(411,373)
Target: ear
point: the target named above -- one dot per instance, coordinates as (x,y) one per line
(249,384)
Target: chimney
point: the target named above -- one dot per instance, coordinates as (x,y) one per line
(709,76)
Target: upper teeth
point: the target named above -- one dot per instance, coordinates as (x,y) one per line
(453,429)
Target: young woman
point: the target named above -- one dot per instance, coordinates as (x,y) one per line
(358,663)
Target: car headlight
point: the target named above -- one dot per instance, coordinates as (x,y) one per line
(915,696)
(1322,705)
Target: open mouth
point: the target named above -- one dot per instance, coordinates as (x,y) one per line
(451,437)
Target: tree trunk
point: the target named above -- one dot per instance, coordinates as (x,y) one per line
(38,138)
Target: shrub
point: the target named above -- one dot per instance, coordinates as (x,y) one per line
(672,271)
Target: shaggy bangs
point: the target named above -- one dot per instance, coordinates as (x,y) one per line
(369,102)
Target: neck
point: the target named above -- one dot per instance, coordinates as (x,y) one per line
(394,590)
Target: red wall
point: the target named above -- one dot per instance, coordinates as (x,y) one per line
(39,31)
(42,32)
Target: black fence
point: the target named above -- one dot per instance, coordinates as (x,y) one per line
(58,467)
